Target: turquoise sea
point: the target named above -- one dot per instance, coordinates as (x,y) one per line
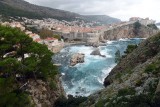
(87,78)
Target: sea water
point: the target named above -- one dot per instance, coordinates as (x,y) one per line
(87,78)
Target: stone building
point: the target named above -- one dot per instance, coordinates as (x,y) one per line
(145,21)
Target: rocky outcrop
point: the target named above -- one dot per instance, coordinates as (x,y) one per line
(77,58)
(134,81)
(44,94)
(97,52)
(130,30)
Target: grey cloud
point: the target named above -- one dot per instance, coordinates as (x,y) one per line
(122,9)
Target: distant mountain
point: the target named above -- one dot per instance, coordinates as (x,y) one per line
(101,18)
(24,9)
(158,24)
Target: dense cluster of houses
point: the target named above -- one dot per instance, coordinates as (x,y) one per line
(69,30)
(53,43)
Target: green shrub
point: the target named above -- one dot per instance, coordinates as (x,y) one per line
(52,85)
(153,68)
(57,36)
(153,26)
(130,48)
(117,56)
(153,85)
(118,75)
(141,100)
(15,100)
(70,102)
(126,91)
(100,103)
(139,82)
(156,100)
(137,27)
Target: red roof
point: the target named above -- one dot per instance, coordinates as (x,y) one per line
(50,39)
(37,40)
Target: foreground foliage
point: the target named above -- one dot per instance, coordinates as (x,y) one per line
(21,59)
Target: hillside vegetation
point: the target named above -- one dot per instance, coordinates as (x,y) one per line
(11,11)
(135,81)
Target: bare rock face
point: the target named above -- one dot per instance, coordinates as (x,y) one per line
(97,52)
(129,31)
(77,58)
(42,95)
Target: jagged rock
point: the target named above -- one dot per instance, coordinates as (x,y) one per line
(107,82)
(41,93)
(97,52)
(77,58)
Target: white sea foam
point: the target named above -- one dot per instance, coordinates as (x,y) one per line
(124,39)
(110,42)
(62,74)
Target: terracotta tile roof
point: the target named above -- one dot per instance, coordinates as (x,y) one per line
(37,40)
(48,39)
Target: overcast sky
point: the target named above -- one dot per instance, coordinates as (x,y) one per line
(122,9)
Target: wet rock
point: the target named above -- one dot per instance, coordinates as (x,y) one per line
(107,82)
(103,55)
(97,52)
(77,58)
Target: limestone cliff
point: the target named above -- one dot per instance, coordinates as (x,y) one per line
(44,94)
(130,30)
(135,81)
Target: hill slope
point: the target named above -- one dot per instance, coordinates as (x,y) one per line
(101,18)
(21,5)
(135,81)
(23,8)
